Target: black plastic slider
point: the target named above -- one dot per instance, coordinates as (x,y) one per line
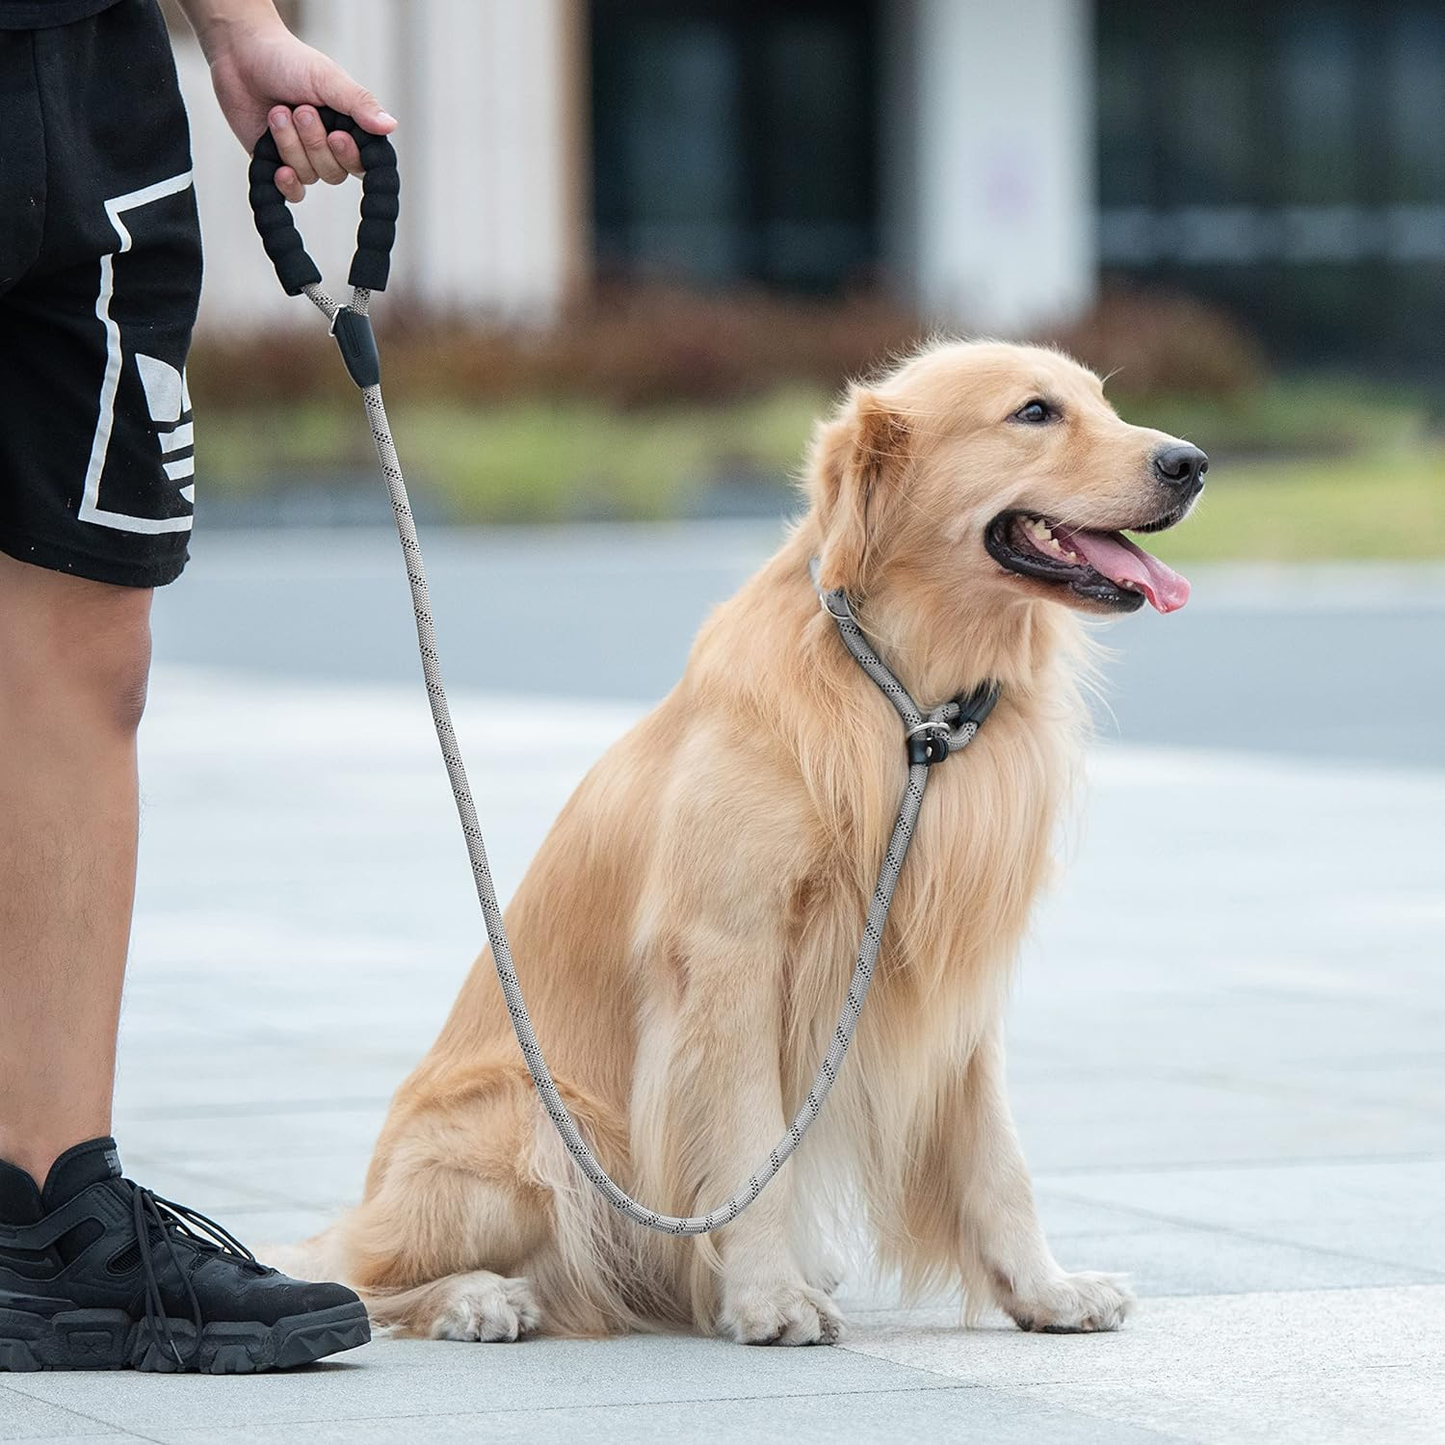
(357,342)
(928,744)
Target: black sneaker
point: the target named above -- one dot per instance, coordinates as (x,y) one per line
(97,1273)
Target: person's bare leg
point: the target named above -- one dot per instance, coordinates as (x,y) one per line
(74,657)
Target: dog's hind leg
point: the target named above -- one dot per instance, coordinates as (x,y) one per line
(479,1306)
(458,1229)
(406,1251)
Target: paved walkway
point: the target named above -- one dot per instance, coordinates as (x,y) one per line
(1226,1057)
(1319,662)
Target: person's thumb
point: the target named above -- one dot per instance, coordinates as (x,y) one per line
(345,95)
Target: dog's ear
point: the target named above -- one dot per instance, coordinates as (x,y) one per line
(855,469)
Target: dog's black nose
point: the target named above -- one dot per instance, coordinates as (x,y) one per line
(1181,467)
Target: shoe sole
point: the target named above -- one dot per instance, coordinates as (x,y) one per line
(111,1340)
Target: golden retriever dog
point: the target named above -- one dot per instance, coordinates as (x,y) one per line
(686,933)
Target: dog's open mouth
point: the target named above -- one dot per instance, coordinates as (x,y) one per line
(1103,567)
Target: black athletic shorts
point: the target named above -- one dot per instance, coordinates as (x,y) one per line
(100,273)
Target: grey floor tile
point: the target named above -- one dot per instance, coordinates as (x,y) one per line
(865,1416)
(1081,1121)
(1212,1342)
(1371,1406)
(106,1437)
(26,1418)
(1389,1212)
(312,1181)
(1177,1260)
(423,1378)
(1225,1060)
(289,1131)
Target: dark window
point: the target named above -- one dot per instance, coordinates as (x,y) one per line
(735,141)
(1287,159)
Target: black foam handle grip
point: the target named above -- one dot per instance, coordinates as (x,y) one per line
(380,205)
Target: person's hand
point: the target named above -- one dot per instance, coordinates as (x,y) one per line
(260,71)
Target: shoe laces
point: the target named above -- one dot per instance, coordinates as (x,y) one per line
(159,1220)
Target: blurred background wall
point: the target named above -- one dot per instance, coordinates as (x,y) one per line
(643,243)
(990,162)
(490,151)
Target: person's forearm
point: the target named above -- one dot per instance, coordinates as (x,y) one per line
(218,21)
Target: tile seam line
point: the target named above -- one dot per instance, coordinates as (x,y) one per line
(1257,1090)
(1027,1391)
(873,1311)
(953,1386)
(1152,1382)
(1438,1276)
(1204,1166)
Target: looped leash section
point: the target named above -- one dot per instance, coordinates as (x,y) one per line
(929,739)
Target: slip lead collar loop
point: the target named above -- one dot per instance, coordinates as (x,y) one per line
(929,737)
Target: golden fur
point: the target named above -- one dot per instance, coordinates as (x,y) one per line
(686,932)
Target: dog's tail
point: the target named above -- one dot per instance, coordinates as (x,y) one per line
(317,1258)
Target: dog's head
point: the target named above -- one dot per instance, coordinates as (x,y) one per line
(999,473)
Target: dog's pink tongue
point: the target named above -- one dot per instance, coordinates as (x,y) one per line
(1116,557)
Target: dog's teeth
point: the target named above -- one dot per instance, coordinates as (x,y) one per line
(1042,535)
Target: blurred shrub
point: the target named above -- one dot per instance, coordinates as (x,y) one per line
(1164,344)
(646,347)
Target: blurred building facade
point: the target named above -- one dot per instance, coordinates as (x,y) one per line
(991,161)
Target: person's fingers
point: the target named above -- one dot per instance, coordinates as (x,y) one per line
(289,185)
(345,151)
(293,153)
(344,94)
(318,149)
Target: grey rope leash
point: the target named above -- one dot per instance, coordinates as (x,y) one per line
(930,739)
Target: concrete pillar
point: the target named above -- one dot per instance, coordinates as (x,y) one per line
(494,106)
(490,99)
(990,143)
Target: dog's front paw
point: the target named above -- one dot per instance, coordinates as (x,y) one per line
(780,1314)
(1070,1304)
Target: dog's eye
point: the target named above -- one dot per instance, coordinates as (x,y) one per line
(1035,412)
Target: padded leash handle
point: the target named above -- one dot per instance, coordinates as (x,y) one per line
(380,205)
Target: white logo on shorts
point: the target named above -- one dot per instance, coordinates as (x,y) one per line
(169,400)
(90,509)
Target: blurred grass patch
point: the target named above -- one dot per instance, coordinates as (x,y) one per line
(1378,491)
(545,461)
(1303,417)
(1387,504)
(526,460)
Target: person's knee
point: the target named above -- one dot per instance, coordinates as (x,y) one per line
(104,654)
(73,647)
(120,679)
